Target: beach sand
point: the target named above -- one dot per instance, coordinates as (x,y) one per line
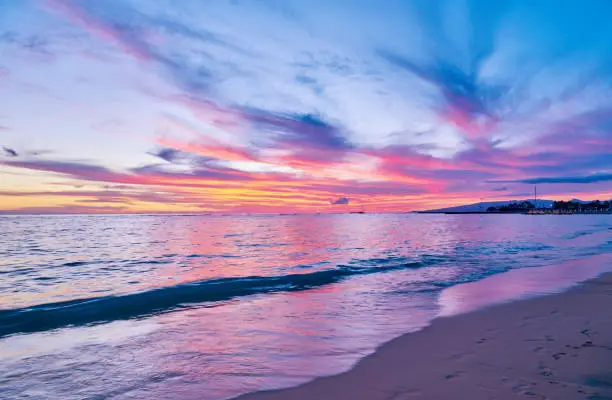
(551,347)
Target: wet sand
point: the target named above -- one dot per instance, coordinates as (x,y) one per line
(552,347)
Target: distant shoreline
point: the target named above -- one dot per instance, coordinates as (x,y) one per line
(543,212)
(528,206)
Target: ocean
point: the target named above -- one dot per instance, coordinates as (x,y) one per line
(210,306)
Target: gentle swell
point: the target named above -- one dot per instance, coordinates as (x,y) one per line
(105,309)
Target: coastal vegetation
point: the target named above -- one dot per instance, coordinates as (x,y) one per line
(578,206)
(558,207)
(518,207)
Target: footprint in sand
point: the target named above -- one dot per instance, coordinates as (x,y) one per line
(405,394)
(557,356)
(534,395)
(526,390)
(545,371)
(454,375)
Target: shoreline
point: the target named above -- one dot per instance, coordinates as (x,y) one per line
(514,213)
(548,346)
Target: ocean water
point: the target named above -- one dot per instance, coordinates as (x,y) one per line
(209,307)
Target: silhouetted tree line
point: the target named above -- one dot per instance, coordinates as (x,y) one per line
(513,207)
(576,206)
(558,207)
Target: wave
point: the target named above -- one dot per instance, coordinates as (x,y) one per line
(96,310)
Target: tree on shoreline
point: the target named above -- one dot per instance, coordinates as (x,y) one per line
(577,206)
(513,207)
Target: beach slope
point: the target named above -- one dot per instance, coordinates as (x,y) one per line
(551,347)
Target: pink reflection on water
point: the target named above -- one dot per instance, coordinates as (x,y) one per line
(214,247)
(217,352)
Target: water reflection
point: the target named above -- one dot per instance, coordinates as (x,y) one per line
(275,338)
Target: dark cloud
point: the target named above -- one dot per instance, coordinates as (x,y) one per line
(174,156)
(145,175)
(584,179)
(290,130)
(341,201)
(309,138)
(168,154)
(301,129)
(569,179)
(9,152)
(75,169)
(561,164)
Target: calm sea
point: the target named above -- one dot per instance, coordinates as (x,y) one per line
(209,307)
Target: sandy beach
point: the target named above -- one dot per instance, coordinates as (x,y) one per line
(550,347)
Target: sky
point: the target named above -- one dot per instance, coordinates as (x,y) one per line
(249,106)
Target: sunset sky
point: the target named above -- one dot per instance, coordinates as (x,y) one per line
(301,106)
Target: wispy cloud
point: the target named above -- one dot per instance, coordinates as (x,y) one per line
(468,104)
